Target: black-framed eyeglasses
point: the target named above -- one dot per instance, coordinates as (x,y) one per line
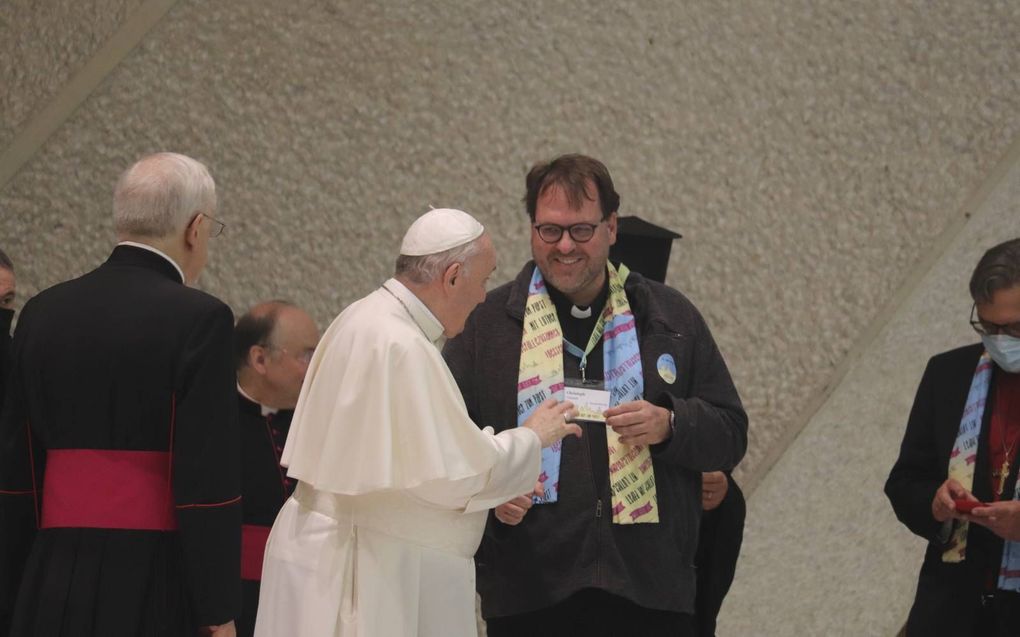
(218,226)
(987,328)
(579,232)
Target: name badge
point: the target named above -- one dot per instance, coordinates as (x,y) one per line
(590,398)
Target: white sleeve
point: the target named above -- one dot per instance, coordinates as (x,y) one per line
(514,474)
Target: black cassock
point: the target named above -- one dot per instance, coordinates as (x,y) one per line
(265,487)
(719,539)
(120,380)
(6,317)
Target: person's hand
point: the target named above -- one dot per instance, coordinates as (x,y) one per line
(714,486)
(1001,518)
(942,507)
(511,513)
(551,421)
(223,630)
(639,422)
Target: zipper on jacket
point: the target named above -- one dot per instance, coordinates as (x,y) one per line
(598,514)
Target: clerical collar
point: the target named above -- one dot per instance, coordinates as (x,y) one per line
(420,313)
(144,246)
(575,329)
(266,411)
(565,308)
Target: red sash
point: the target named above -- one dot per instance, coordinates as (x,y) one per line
(104,489)
(253,550)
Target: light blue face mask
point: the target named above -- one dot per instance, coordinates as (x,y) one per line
(1004,350)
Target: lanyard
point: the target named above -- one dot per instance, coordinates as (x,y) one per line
(596,336)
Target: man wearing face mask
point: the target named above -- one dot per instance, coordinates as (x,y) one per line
(7,289)
(960,447)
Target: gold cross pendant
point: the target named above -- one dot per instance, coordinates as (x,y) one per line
(1003,474)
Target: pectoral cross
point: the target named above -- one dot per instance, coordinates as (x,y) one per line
(1002,474)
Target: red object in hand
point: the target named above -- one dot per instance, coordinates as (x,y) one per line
(966,506)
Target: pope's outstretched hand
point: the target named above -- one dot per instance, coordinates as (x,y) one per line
(551,421)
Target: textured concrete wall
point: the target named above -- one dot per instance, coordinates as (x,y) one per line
(810,152)
(823,552)
(807,151)
(42,44)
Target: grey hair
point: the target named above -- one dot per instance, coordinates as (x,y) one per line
(160,194)
(427,268)
(998,269)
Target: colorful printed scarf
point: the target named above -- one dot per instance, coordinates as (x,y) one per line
(961,469)
(540,376)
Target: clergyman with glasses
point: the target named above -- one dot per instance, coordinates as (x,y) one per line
(120,506)
(955,481)
(273,345)
(604,544)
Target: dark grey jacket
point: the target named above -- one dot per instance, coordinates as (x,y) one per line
(564,547)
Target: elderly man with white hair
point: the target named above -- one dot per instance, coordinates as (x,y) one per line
(119,468)
(395,480)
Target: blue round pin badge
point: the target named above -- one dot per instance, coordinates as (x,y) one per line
(667,368)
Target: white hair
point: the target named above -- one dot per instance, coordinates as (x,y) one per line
(427,268)
(160,194)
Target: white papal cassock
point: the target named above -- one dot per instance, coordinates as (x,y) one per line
(395,483)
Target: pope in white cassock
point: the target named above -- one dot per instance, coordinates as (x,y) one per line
(394,478)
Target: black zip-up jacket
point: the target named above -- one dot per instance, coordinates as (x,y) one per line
(572,544)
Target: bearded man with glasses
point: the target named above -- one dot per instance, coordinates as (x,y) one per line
(955,481)
(605,543)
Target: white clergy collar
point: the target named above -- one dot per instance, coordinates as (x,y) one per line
(420,312)
(143,246)
(266,411)
(579,313)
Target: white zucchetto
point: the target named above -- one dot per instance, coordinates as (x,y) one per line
(439,230)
